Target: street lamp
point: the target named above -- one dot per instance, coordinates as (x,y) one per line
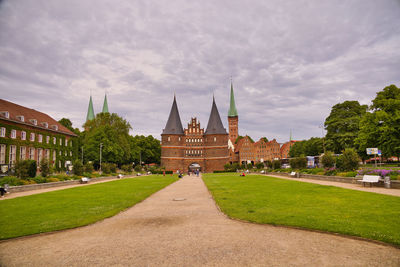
(101,145)
(82,154)
(323,136)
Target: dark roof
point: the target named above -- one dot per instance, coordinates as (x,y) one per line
(215,125)
(16,110)
(174,124)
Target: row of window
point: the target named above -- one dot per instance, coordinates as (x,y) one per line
(32,137)
(193,153)
(28,153)
(192,140)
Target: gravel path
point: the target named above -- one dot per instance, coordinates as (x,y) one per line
(360,187)
(162,232)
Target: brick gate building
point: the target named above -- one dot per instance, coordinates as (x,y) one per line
(183,149)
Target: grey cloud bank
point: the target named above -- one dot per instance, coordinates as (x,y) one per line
(291,61)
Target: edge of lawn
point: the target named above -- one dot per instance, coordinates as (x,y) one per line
(354,237)
(80,226)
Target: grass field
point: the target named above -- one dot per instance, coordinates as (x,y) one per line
(277,201)
(74,207)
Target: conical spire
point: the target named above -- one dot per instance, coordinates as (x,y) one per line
(174,124)
(215,125)
(90,113)
(232,108)
(105,104)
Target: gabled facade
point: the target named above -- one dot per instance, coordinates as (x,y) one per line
(194,147)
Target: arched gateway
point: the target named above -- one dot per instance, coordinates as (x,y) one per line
(194,167)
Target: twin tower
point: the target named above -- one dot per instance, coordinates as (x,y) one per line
(193,148)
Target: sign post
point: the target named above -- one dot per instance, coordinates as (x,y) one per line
(373,151)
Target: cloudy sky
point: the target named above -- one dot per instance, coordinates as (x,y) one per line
(290,61)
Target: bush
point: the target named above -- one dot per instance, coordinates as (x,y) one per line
(32,168)
(44,167)
(298,163)
(224,171)
(128,168)
(268,163)
(276,164)
(10,180)
(328,160)
(259,165)
(51,180)
(348,161)
(39,180)
(88,167)
(231,167)
(161,172)
(78,167)
(138,168)
(330,172)
(22,168)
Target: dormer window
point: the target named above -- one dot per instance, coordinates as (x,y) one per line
(54,127)
(21,118)
(33,121)
(5,114)
(45,124)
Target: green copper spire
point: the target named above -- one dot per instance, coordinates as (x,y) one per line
(232,108)
(90,112)
(105,105)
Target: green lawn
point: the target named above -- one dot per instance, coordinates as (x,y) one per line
(277,201)
(74,207)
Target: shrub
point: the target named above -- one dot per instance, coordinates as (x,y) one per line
(268,163)
(298,163)
(105,168)
(78,167)
(276,164)
(128,168)
(138,168)
(259,165)
(51,180)
(113,167)
(22,168)
(328,159)
(44,167)
(330,172)
(32,168)
(88,167)
(349,160)
(224,171)
(39,180)
(10,180)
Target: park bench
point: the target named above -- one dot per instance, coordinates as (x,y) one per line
(293,174)
(84,180)
(370,179)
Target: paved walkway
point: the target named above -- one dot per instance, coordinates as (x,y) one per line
(162,232)
(360,187)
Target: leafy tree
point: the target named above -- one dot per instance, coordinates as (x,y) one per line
(310,147)
(381,127)
(21,168)
(342,125)
(146,147)
(328,159)
(44,167)
(112,132)
(265,139)
(88,167)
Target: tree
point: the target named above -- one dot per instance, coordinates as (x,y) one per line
(342,125)
(145,147)
(381,126)
(276,164)
(78,167)
(112,132)
(310,147)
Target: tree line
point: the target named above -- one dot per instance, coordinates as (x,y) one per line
(351,125)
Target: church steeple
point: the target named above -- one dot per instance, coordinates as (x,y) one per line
(215,125)
(232,107)
(90,113)
(105,104)
(174,124)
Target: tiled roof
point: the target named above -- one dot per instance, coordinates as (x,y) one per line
(29,114)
